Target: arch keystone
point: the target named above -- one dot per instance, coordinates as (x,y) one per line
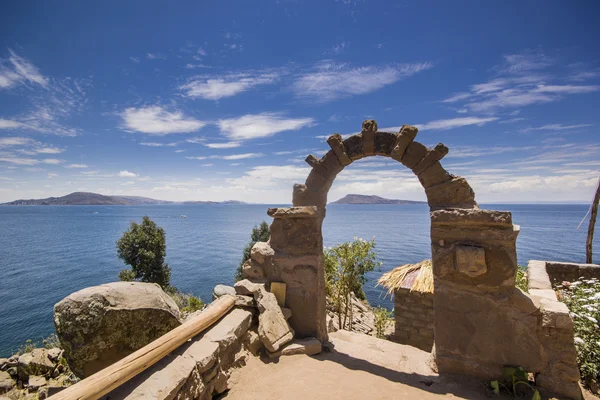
(369,128)
(404,138)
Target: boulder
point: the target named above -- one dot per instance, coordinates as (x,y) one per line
(35,382)
(100,325)
(36,362)
(6,382)
(247,288)
(261,252)
(54,354)
(222,290)
(309,346)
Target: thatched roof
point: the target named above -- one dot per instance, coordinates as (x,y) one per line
(416,277)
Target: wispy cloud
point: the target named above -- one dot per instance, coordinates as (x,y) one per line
(156,144)
(52,161)
(566,89)
(253,126)
(19,70)
(329,81)
(555,127)
(155,120)
(239,156)
(226,145)
(218,87)
(452,123)
(77,166)
(127,174)
(28,146)
(155,56)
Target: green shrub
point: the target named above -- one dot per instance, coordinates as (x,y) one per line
(259,233)
(583,300)
(143,247)
(383,317)
(185,301)
(521,281)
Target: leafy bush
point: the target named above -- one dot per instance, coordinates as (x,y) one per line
(143,247)
(260,233)
(345,267)
(521,281)
(583,300)
(383,317)
(187,303)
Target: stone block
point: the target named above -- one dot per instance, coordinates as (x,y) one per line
(309,346)
(403,140)
(354,147)
(470,261)
(222,290)
(317,181)
(434,175)
(252,342)
(414,154)
(296,236)
(244,301)
(247,288)
(455,193)
(234,324)
(384,143)
(293,212)
(369,128)
(331,163)
(472,217)
(302,196)
(261,252)
(336,143)
(432,156)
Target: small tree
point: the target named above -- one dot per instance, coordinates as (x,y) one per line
(345,267)
(259,233)
(143,247)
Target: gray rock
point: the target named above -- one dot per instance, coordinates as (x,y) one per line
(4,364)
(244,301)
(6,382)
(273,329)
(100,325)
(222,290)
(35,382)
(54,354)
(247,288)
(261,252)
(34,363)
(309,346)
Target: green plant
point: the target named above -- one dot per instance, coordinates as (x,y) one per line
(259,233)
(582,297)
(194,304)
(521,281)
(345,267)
(186,302)
(383,317)
(51,341)
(512,378)
(143,247)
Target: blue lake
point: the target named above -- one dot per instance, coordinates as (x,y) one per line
(49,252)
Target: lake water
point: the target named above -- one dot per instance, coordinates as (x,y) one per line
(48,252)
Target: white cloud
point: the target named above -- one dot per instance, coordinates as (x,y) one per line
(253,126)
(155,56)
(444,124)
(330,81)
(52,175)
(155,144)
(18,160)
(52,161)
(77,166)
(155,120)
(20,70)
(215,88)
(9,124)
(196,140)
(555,127)
(566,89)
(226,145)
(239,156)
(196,158)
(127,174)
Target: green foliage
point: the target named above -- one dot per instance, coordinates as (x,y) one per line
(143,247)
(512,378)
(583,300)
(345,267)
(521,281)
(194,304)
(185,301)
(51,341)
(260,233)
(383,317)
(126,275)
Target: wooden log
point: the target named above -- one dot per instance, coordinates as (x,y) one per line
(104,381)
(590,235)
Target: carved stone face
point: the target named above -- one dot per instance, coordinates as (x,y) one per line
(470,260)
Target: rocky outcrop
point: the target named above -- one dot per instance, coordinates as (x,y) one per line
(222,290)
(99,325)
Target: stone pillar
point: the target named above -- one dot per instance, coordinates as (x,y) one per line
(297,243)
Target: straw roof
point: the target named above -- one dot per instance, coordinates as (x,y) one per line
(416,277)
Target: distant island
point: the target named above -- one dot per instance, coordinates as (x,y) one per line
(95,199)
(364,199)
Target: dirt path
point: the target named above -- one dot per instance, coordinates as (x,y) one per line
(360,367)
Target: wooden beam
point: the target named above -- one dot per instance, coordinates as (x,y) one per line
(104,381)
(590,235)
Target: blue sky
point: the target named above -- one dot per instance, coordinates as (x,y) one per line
(219,100)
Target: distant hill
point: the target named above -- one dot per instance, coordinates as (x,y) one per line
(364,199)
(95,199)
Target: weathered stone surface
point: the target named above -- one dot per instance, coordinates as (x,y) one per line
(222,290)
(331,163)
(244,301)
(54,354)
(35,382)
(273,328)
(308,346)
(404,139)
(354,147)
(336,143)
(303,196)
(6,382)
(431,157)
(100,325)
(384,143)
(472,217)
(34,363)
(453,193)
(247,288)
(232,326)
(470,260)
(369,127)
(434,175)
(252,270)
(287,313)
(252,342)
(314,162)
(293,212)
(296,236)
(414,154)
(317,181)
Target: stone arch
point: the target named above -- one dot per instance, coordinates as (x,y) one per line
(482,322)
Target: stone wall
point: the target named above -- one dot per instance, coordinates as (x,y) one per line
(570,272)
(414,318)
(203,367)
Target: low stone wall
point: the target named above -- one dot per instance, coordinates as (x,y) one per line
(570,272)
(414,318)
(201,368)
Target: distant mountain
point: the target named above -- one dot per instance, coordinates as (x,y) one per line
(364,199)
(95,199)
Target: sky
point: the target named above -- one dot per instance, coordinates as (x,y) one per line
(220,100)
